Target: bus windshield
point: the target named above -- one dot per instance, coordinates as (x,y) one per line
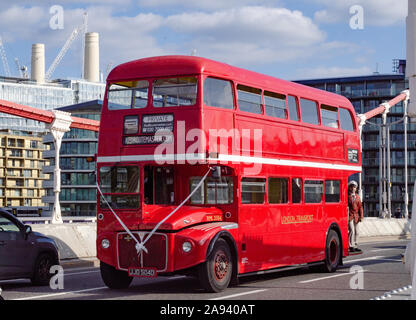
(120,187)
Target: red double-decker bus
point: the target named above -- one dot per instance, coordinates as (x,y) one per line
(210,170)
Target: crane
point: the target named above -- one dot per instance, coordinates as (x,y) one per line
(78,30)
(4,59)
(21,69)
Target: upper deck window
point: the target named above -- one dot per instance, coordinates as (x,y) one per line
(173,92)
(329,116)
(218,93)
(275,104)
(309,111)
(249,99)
(293,108)
(126,95)
(346,120)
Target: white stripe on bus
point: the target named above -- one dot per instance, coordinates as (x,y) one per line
(229,158)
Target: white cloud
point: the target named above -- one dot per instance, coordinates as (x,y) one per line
(248,34)
(205,4)
(332,72)
(376,12)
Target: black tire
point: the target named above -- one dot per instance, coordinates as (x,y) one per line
(41,272)
(332,252)
(113,278)
(215,273)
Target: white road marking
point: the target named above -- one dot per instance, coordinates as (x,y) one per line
(60,293)
(238,294)
(329,277)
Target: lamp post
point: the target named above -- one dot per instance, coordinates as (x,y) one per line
(58,127)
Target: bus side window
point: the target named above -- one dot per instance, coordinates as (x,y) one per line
(278,190)
(249,99)
(293,108)
(329,116)
(275,104)
(313,191)
(296,190)
(346,120)
(253,190)
(218,93)
(309,111)
(332,191)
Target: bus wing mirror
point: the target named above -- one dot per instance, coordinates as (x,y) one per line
(216,172)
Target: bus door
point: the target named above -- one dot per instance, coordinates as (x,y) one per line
(253,228)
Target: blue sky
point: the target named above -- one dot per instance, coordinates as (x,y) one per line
(289,39)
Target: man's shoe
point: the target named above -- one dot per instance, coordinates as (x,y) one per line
(351,249)
(357,250)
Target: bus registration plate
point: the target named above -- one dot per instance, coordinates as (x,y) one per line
(142,272)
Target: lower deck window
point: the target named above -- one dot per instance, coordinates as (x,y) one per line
(278,190)
(213,191)
(313,191)
(253,190)
(332,191)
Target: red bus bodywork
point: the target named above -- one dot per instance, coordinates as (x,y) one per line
(260,235)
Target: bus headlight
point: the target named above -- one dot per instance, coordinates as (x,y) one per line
(105,243)
(186,246)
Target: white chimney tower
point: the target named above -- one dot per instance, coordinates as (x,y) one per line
(37,72)
(92,57)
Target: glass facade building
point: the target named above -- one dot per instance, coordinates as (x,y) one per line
(367,93)
(47,96)
(78,180)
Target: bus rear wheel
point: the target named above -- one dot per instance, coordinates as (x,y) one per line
(332,252)
(113,278)
(215,273)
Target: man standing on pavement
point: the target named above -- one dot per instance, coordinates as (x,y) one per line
(356,215)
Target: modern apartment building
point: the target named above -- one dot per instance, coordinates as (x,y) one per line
(21,173)
(367,93)
(78,187)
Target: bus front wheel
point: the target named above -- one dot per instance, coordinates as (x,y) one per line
(332,252)
(113,278)
(215,273)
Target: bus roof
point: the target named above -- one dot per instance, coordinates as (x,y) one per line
(176,65)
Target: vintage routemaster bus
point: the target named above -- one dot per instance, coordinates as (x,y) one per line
(215,171)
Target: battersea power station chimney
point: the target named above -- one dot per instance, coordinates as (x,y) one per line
(37,71)
(92,57)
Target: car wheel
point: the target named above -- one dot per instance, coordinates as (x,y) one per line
(113,278)
(41,273)
(215,273)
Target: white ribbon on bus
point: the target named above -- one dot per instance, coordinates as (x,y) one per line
(140,245)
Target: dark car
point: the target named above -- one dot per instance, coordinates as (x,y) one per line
(25,253)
